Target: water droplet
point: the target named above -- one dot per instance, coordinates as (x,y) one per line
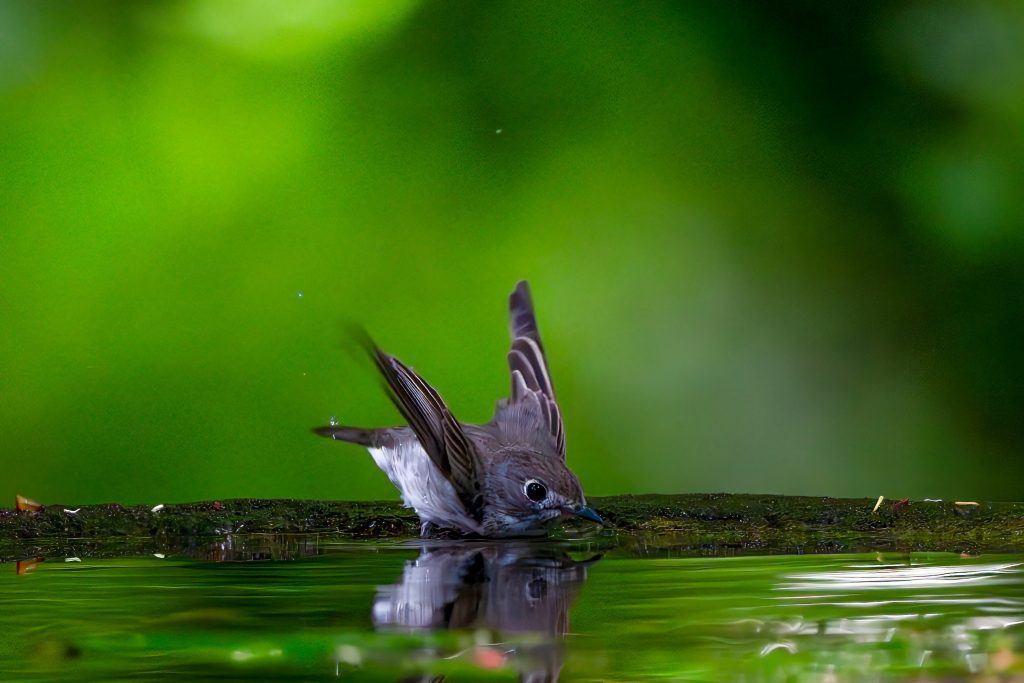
(299,295)
(334,420)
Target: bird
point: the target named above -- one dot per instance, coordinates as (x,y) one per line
(505,478)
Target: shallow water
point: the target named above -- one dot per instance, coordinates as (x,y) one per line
(537,611)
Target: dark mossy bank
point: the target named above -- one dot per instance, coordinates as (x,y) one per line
(692,522)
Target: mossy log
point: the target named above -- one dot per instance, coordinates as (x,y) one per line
(712,523)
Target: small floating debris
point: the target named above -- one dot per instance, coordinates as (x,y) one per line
(72,512)
(26,566)
(878,504)
(22,503)
(349,654)
(488,657)
(965,502)
(901,503)
(72,559)
(933,500)
(157,508)
(333,421)
(159,555)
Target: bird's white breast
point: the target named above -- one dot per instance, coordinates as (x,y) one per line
(423,487)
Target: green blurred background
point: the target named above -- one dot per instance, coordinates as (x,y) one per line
(775,247)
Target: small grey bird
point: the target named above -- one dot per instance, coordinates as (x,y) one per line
(504,478)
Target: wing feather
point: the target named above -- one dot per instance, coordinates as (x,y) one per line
(437,430)
(528,366)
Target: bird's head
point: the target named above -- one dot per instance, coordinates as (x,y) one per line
(528,492)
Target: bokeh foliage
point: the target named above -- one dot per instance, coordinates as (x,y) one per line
(775,247)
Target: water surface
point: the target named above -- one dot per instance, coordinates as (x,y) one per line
(534,611)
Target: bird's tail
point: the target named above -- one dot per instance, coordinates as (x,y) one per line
(364,437)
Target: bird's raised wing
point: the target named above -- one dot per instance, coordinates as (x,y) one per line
(437,430)
(532,390)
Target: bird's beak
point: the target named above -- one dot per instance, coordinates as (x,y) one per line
(586,513)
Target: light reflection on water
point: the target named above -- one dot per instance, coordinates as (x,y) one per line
(884,576)
(510,611)
(935,614)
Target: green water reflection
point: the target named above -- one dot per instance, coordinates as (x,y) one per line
(510,611)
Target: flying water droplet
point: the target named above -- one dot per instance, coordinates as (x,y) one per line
(334,421)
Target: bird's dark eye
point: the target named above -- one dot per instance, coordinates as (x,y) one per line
(536,491)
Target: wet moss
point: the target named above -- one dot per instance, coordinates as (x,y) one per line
(657,522)
(805,523)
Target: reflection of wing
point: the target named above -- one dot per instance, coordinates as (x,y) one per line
(510,589)
(420,600)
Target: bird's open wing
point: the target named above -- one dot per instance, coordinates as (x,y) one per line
(532,390)
(437,430)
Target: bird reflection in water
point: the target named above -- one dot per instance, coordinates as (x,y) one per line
(513,598)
